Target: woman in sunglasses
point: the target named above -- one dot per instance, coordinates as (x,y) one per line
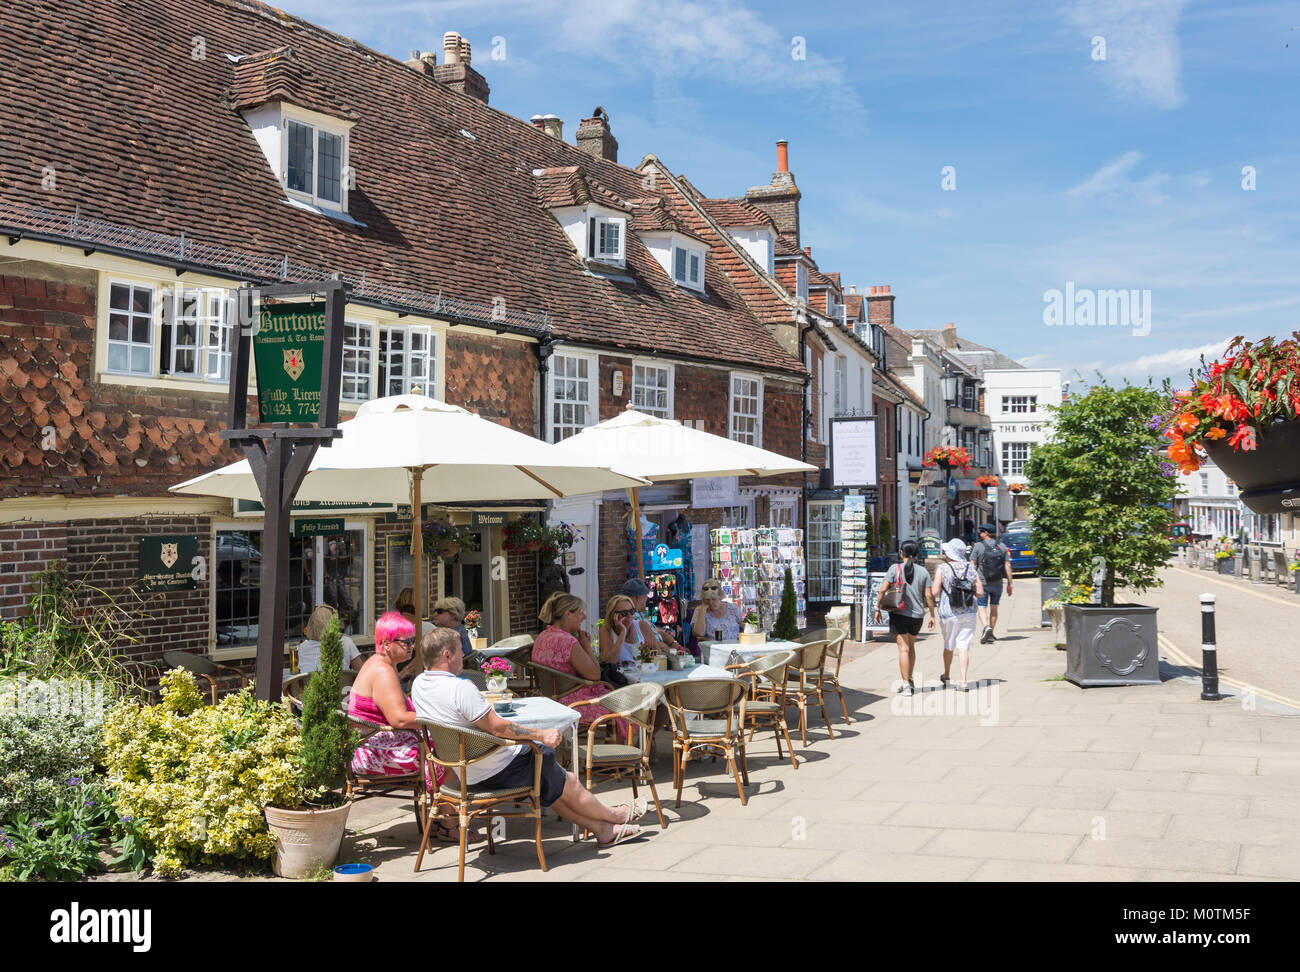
(623,634)
(716,619)
(377,697)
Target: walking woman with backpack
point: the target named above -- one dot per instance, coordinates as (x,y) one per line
(956,587)
(905,596)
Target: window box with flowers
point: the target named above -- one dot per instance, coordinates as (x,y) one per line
(1244,414)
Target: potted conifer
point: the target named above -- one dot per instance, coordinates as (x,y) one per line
(308,837)
(1102,506)
(786,627)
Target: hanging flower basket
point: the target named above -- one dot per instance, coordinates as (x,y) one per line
(1242,413)
(449,551)
(1016,487)
(447,540)
(986,481)
(947,457)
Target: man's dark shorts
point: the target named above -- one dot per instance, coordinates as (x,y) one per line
(901,624)
(519,772)
(992,595)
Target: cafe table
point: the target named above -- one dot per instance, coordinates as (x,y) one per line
(539,712)
(664,677)
(720,654)
(496,651)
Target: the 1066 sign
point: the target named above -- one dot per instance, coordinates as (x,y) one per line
(288,349)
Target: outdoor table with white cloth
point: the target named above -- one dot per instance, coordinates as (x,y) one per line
(496,651)
(664,677)
(720,654)
(539,712)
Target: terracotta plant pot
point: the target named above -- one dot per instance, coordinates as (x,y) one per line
(1268,475)
(306,840)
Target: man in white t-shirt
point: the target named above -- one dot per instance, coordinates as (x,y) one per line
(440,695)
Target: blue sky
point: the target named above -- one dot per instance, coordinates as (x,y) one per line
(1117,173)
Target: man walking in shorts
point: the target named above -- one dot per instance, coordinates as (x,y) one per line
(993,560)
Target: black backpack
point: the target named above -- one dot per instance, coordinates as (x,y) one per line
(961,594)
(992,560)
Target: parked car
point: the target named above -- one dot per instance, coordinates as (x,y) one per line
(1180,533)
(1020,543)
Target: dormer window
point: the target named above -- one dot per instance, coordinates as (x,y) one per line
(688,267)
(314,163)
(605,238)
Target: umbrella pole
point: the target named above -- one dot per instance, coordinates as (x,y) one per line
(417,555)
(636,516)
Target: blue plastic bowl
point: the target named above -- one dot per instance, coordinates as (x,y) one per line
(354,872)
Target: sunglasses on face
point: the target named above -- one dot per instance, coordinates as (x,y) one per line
(406,643)
(623,614)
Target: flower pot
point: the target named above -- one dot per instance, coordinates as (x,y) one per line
(1268,475)
(306,840)
(497,685)
(449,551)
(1227,565)
(1111,645)
(1047,588)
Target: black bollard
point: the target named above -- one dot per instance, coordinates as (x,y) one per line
(1209,652)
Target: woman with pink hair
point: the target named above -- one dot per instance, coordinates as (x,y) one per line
(377,697)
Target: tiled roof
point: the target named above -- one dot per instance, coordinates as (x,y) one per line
(734,213)
(853,304)
(785,247)
(569,186)
(982,358)
(142,134)
(277,75)
(818,279)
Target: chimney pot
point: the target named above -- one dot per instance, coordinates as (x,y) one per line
(782,155)
(451,47)
(553,126)
(595,138)
(807,251)
(538,123)
(886,288)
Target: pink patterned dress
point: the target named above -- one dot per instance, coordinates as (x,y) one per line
(552,649)
(390,753)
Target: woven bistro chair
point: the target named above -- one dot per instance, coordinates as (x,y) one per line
(457,749)
(476,677)
(767,704)
(361,785)
(553,683)
(724,700)
(524,680)
(830,680)
(295,685)
(804,680)
(204,668)
(637,703)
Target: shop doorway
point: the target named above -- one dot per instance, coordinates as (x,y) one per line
(469,578)
(579,561)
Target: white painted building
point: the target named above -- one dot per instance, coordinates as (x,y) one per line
(1210,503)
(1016,399)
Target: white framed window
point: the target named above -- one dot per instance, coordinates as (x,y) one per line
(652,389)
(573,394)
(862,390)
(358,361)
(1014,457)
(406,360)
(197,334)
(605,237)
(315,161)
(130,328)
(688,267)
(1019,404)
(823,549)
(841,385)
(745,423)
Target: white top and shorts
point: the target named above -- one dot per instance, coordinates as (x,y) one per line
(958,627)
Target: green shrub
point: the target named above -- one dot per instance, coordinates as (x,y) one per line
(38,755)
(62,844)
(787,625)
(327,740)
(194,779)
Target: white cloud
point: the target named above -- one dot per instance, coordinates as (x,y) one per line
(1173,359)
(1143,59)
(1113,179)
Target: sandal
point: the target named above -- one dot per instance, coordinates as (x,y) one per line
(622,832)
(443,831)
(636,810)
(944,680)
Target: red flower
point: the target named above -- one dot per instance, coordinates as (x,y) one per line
(1243,438)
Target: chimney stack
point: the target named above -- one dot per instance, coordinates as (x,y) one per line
(538,123)
(552,125)
(807,251)
(455,71)
(594,136)
(424,62)
(949,336)
(780,198)
(880,305)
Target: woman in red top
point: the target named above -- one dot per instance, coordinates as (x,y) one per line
(566,647)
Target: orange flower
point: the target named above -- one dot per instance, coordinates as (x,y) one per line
(1215,433)
(1187,422)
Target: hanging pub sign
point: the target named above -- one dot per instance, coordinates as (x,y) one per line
(853,452)
(288,348)
(169,563)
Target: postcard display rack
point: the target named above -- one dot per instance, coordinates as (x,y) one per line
(855,558)
(751,566)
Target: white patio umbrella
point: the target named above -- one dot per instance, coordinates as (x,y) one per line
(414,449)
(662,450)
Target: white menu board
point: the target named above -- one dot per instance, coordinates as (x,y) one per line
(853,452)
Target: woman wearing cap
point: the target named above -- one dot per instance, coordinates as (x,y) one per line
(956,619)
(636,589)
(716,619)
(623,635)
(309,649)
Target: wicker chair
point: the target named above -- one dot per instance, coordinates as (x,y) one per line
(524,681)
(804,680)
(830,681)
(637,704)
(362,785)
(295,685)
(553,683)
(767,704)
(722,698)
(477,677)
(204,668)
(457,749)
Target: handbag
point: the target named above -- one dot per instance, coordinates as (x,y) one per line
(609,673)
(893,600)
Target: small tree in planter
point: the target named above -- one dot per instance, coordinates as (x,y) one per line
(308,836)
(1099,495)
(787,627)
(885,532)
